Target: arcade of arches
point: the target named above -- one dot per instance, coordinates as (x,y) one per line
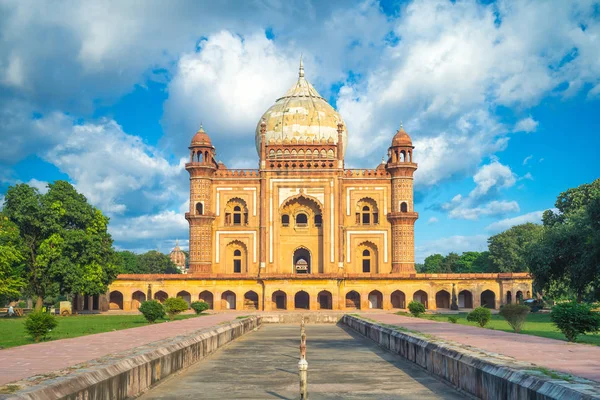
(304,293)
(303,231)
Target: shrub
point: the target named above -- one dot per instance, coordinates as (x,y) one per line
(416,308)
(200,306)
(515,315)
(480,315)
(22,304)
(39,323)
(152,310)
(175,305)
(574,319)
(452,320)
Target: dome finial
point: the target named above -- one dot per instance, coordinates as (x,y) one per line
(301,72)
(401,128)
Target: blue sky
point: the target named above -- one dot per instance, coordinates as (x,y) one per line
(502,100)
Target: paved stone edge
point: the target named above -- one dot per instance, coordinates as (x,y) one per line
(483,374)
(127,374)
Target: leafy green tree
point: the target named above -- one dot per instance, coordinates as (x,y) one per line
(68,247)
(464,264)
(174,306)
(127,262)
(508,250)
(480,315)
(483,263)
(12,261)
(416,308)
(154,262)
(568,251)
(433,263)
(449,263)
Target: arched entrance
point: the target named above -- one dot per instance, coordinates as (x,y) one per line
(353,300)
(228,300)
(161,296)
(398,299)
(519,297)
(508,297)
(279,299)
(137,298)
(251,300)
(302,261)
(421,297)
(301,300)
(325,300)
(488,299)
(186,296)
(116,300)
(442,299)
(207,297)
(465,299)
(375,299)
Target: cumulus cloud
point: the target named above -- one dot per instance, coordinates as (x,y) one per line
(527,125)
(227,85)
(502,225)
(489,180)
(39,185)
(457,244)
(117,172)
(165,224)
(459,59)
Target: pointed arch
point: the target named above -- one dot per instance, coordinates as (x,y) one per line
(236,257)
(398,299)
(367,256)
(207,297)
(367,212)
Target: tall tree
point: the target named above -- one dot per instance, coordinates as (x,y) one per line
(12,261)
(433,264)
(508,250)
(154,262)
(465,262)
(568,251)
(69,249)
(450,263)
(127,262)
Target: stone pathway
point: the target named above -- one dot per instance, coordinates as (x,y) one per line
(341,365)
(576,359)
(40,358)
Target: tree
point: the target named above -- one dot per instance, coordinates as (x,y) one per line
(154,262)
(464,264)
(449,263)
(433,263)
(483,263)
(508,250)
(568,250)
(68,248)
(12,261)
(127,262)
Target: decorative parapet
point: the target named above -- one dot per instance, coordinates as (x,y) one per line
(366,173)
(236,173)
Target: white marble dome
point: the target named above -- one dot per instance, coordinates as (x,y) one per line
(301,116)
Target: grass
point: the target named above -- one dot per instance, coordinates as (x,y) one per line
(537,324)
(12,330)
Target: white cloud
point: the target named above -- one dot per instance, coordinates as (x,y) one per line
(165,224)
(457,244)
(489,180)
(432,220)
(502,225)
(117,172)
(526,159)
(492,177)
(39,185)
(465,58)
(227,86)
(526,125)
(2,198)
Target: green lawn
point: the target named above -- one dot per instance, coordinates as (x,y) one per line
(537,324)
(12,330)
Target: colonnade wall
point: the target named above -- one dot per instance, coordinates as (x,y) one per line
(334,292)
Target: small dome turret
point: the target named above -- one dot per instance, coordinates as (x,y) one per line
(201,138)
(401,138)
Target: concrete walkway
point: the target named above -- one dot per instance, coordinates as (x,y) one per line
(575,359)
(41,358)
(341,365)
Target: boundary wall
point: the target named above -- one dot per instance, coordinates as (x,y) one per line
(482,374)
(126,375)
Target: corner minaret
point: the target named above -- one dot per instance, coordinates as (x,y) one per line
(201,168)
(401,167)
